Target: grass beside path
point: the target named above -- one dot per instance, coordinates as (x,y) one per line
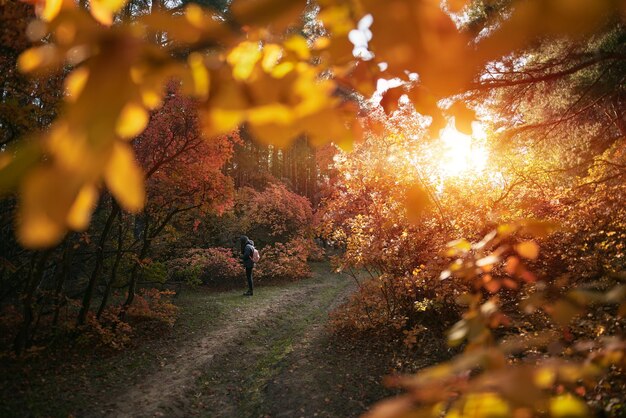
(80,381)
(270,355)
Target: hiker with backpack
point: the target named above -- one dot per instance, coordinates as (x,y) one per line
(250,255)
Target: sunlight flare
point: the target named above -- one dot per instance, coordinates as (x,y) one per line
(462,154)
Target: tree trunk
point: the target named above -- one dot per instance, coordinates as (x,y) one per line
(34,279)
(147,241)
(132,285)
(97,269)
(118,259)
(66,264)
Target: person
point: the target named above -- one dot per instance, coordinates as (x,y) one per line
(247,246)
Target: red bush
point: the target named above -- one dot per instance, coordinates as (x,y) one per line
(210,266)
(284,261)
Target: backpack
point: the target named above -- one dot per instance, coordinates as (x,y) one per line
(255,256)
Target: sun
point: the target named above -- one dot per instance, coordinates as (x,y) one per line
(461,154)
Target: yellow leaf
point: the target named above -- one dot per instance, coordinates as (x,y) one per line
(50,9)
(568,406)
(458,332)
(275,112)
(272,53)
(47,193)
(132,121)
(199,74)
(75,82)
(34,58)
(337,19)
(545,378)
(195,15)
(298,45)
(151,98)
(528,249)
(460,244)
(38,231)
(282,69)
(104,10)
(505,230)
(80,212)
(243,58)
(70,148)
(221,121)
(485,405)
(124,178)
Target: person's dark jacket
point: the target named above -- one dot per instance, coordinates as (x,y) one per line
(247,254)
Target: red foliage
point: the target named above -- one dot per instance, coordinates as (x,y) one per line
(109,331)
(211,266)
(154,304)
(284,261)
(276,212)
(183,169)
(150,305)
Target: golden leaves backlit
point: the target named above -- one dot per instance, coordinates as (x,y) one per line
(47,197)
(243,59)
(132,121)
(278,94)
(80,211)
(35,58)
(568,406)
(281,89)
(75,82)
(199,75)
(124,178)
(104,10)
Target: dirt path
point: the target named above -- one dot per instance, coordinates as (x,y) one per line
(229,370)
(271,355)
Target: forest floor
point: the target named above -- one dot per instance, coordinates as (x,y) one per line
(271,355)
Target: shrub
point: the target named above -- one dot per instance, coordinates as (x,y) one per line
(150,305)
(211,266)
(284,261)
(154,272)
(316,253)
(154,304)
(110,331)
(402,307)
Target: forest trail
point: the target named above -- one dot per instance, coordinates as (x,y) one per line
(243,364)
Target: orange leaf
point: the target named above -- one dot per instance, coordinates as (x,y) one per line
(492,286)
(512,263)
(528,249)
